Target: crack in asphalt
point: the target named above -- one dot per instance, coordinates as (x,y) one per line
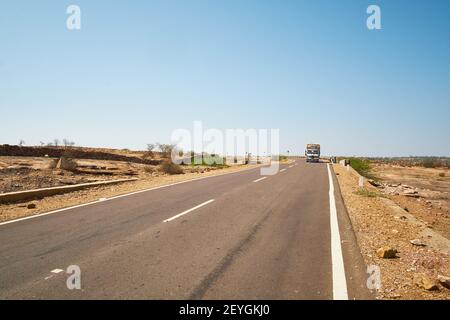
(226,261)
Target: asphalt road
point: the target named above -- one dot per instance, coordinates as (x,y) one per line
(234,236)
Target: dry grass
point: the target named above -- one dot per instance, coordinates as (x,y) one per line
(170,168)
(368,193)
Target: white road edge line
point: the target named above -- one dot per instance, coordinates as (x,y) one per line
(337,260)
(260,179)
(190,210)
(119,196)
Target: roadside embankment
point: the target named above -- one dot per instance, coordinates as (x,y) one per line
(412,258)
(75,152)
(46,192)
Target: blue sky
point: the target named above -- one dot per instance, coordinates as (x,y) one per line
(137,70)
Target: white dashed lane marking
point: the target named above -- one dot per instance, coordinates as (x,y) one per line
(57,271)
(190,210)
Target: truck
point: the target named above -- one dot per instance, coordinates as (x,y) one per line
(312,152)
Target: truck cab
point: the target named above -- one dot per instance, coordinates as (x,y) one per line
(312,153)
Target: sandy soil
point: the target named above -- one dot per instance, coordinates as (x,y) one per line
(29,173)
(377,223)
(432,204)
(436,179)
(25,173)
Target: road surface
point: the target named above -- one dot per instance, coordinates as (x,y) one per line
(234,236)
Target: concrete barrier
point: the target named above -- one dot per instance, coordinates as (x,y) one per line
(45,192)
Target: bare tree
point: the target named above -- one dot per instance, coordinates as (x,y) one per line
(166,150)
(56,142)
(21,143)
(150,148)
(68,143)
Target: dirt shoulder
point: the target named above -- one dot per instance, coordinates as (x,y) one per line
(146,180)
(379,222)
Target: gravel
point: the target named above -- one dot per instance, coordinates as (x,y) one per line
(376,226)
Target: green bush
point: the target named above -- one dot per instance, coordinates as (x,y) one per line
(362,166)
(210,161)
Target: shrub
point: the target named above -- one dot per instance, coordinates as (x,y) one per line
(367,193)
(209,161)
(430,163)
(442,174)
(69,164)
(53,163)
(149,154)
(170,168)
(362,166)
(149,169)
(166,150)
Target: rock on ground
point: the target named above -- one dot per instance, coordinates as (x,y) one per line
(423,281)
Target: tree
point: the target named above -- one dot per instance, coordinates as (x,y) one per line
(166,149)
(151,147)
(21,143)
(68,143)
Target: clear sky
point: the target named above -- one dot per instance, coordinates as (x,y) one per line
(137,70)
